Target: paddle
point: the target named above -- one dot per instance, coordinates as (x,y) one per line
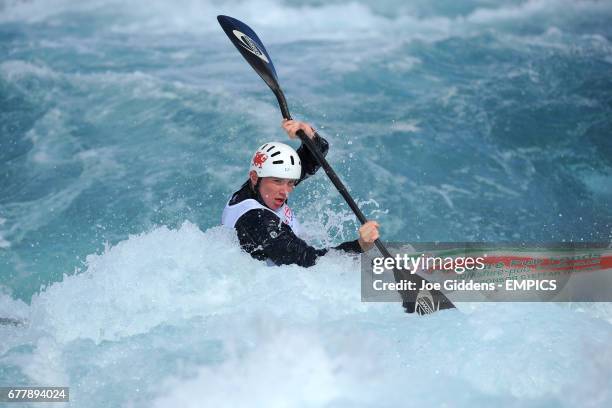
(252,49)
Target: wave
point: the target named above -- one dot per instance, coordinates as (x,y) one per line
(168,275)
(193,312)
(317,21)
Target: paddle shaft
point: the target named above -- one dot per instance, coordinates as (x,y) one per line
(310,145)
(339,186)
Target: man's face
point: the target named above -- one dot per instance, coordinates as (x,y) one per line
(274,191)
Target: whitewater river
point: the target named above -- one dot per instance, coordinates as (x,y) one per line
(126,126)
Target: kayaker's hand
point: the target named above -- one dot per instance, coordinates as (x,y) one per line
(368,233)
(292,126)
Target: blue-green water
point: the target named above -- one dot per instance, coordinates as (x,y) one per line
(125,127)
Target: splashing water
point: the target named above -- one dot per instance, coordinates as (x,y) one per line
(126,126)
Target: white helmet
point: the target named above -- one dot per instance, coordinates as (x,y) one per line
(275,159)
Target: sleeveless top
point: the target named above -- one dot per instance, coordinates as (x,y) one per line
(231,214)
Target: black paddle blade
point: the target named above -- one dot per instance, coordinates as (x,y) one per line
(422,302)
(251,48)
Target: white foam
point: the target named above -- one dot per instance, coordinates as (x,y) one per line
(535,8)
(165,275)
(3,242)
(300,366)
(276,25)
(12,308)
(410,126)
(275,336)
(285,365)
(447,192)
(501,188)
(16,311)
(13,70)
(325,21)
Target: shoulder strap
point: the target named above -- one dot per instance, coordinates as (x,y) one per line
(231,214)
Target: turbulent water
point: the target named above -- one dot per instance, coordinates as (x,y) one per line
(125,127)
